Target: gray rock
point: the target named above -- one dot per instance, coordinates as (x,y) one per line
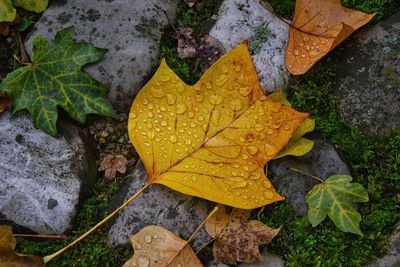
(268,261)
(392,259)
(237,20)
(322,161)
(42,178)
(368,80)
(130,29)
(158,205)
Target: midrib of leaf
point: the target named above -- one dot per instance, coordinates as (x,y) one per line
(338,188)
(154,179)
(341,213)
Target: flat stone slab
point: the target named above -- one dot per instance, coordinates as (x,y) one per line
(237,20)
(158,205)
(322,161)
(368,79)
(41,177)
(131,30)
(268,261)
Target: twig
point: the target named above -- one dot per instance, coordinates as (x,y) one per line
(193,234)
(24,55)
(48,258)
(41,236)
(205,245)
(307,174)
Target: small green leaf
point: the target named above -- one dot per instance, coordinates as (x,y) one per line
(37,6)
(55,79)
(24,24)
(7,11)
(334,198)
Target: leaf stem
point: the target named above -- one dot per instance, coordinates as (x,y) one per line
(48,258)
(41,236)
(193,234)
(307,174)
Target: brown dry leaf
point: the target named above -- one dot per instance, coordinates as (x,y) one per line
(209,51)
(4,103)
(237,238)
(5,26)
(155,246)
(8,257)
(187,45)
(319,26)
(190,3)
(111,164)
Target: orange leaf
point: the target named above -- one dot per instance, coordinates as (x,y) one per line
(157,247)
(319,26)
(237,238)
(212,139)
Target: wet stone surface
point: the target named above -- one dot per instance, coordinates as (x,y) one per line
(368,80)
(131,32)
(268,261)
(42,178)
(158,205)
(322,161)
(237,21)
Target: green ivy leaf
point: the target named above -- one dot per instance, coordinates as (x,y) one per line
(55,79)
(7,11)
(334,198)
(37,6)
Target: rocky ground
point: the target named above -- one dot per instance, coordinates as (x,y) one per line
(55,178)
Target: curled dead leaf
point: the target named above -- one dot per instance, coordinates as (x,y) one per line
(187,45)
(236,238)
(111,164)
(4,103)
(155,246)
(8,257)
(319,26)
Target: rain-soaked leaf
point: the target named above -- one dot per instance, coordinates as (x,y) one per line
(37,6)
(319,26)
(156,247)
(7,11)
(298,146)
(334,198)
(55,79)
(8,257)
(237,238)
(213,139)
(111,164)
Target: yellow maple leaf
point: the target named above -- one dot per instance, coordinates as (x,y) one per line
(212,139)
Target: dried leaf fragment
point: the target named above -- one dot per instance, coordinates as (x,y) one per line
(236,238)
(319,26)
(155,246)
(111,164)
(8,257)
(4,103)
(213,139)
(187,45)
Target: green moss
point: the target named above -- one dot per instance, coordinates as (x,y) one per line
(374,162)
